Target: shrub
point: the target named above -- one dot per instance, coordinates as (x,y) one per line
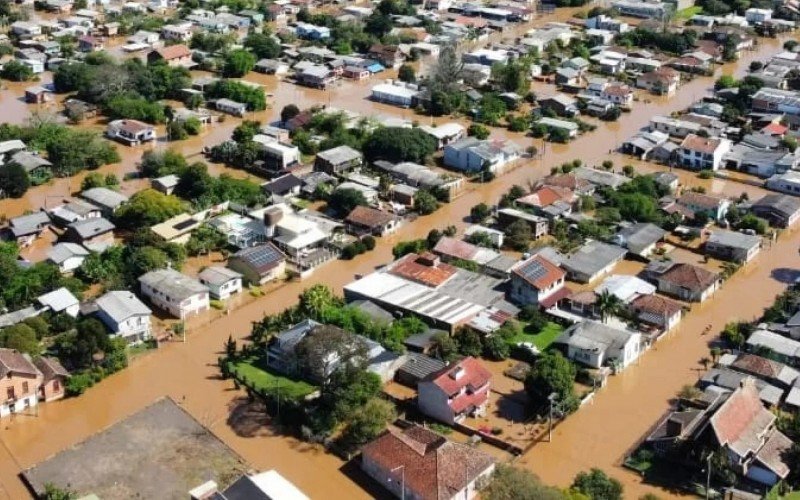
(369,242)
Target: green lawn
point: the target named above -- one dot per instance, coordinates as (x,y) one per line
(261,378)
(688,12)
(541,340)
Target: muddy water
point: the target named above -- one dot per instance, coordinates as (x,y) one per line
(596,436)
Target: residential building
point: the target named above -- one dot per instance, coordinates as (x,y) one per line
(537,281)
(787,182)
(703,153)
(571,128)
(285,186)
(552,202)
(389,56)
(279,157)
(316,76)
(782,348)
(596,344)
(495,236)
(106,199)
(74,211)
(560,104)
(19,382)
(588,263)
(445,133)
(732,245)
(338,160)
(174,292)
(181,32)
(640,239)
(173,55)
(684,281)
(778,209)
(222,282)
(259,264)
(230,107)
(177,229)
(656,310)
(714,207)
(769,100)
(67,256)
(619,94)
(661,81)
(600,178)
(395,94)
(538,224)
(269,485)
(768,370)
(124,315)
(130,132)
(95,233)
(25,229)
(474,155)
(165,184)
(625,287)
(416,463)
(455,392)
(362,221)
(54,378)
(674,127)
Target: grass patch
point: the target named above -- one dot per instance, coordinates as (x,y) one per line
(141,348)
(688,12)
(255,372)
(795,495)
(541,340)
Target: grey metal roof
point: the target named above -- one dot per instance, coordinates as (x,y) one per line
(340,154)
(88,228)
(63,251)
(593,335)
(58,300)
(420,366)
(104,197)
(592,257)
(782,203)
(12,318)
(217,275)
(172,283)
(640,236)
(121,305)
(29,224)
(733,239)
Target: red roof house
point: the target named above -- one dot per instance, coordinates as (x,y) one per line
(455,392)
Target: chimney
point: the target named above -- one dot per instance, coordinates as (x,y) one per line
(204,491)
(674,427)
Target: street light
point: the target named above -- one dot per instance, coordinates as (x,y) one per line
(402,469)
(552,397)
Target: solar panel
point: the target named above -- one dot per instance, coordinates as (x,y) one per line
(184,224)
(259,256)
(533,270)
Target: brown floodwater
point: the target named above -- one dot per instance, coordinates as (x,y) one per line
(596,436)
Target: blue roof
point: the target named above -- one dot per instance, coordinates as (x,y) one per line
(375,68)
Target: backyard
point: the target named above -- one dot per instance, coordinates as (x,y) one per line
(542,339)
(253,372)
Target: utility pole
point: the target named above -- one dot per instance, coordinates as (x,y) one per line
(552,397)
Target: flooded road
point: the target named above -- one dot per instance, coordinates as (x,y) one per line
(596,436)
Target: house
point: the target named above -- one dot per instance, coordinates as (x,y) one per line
(38,169)
(596,344)
(130,132)
(178,55)
(357,73)
(67,256)
(495,236)
(715,208)
(560,104)
(625,287)
(54,378)
(124,315)
(571,128)
(390,56)
(230,107)
(180,32)
(674,127)
(538,224)
(284,186)
(269,485)
(455,392)
(588,263)
(88,43)
(552,202)
(106,199)
(778,209)
(781,348)
(417,463)
(474,155)
(74,211)
(38,95)
(174,292)
(278,156)
(703,153)
(696,63)
(746,430)
(537,281)
(660,81)
(60,300)
(640,239)
(312,32)
(165,184)
(445,133)
(732,245)
(222,282)
(768,370)
(362,221)
(619,94)
(19,382)
(177,229)
(338,160)
(684,281)
(418,365)
(653,309)
(395,94)
(600,178)
(26,228)
(96,232)
(769,100)
(259,264)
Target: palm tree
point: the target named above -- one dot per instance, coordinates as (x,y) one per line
(705,361)
(608,304)
(716,352)
(315,300)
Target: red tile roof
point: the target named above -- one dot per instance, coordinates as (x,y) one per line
(705,145)
(656,304)
(174,52)
(453,247)
(539,272)
(14,362)
(469,376)
(556,297)
(433,467)
(369,217)
(569,181)
(425,269)
(742,422)
(546,196)
(690,277)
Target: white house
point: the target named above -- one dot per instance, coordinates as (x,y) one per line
(124,315)
(596,344)
(455,392)
(174,292)
(397,95)
(535,280)
(221,281)
(67,256)
(703,153)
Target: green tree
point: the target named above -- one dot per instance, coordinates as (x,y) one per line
(93,180)
(469,342)
(288,112)
(552,373)
(157,163)
(315,300)
(39,325)
(14,180)
(238,63)
(406,73)
(147,208)
(597,485)
(518,235)
(53,492)
(511,483)
(444,347)
(425,203)
(22,338)
(16,71)
(368,422)
(608,304)
(398,144)
(263,45)
(478,131)
(343,201)
(496,348)
(480,212)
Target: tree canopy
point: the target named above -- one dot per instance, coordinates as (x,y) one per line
(147,208)
(398,144)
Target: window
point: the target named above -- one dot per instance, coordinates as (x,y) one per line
(10,393)
(56,385)
(25,387)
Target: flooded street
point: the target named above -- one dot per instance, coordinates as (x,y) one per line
(597,436)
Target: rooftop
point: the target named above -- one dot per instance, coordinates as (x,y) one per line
(539,272)
(173,284)
(121,305)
